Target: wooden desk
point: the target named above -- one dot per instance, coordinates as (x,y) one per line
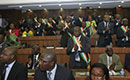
(55,40)
(62,57)
(42,40)
(84,77)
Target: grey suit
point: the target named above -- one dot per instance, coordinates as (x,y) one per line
(105,37)
(115,58)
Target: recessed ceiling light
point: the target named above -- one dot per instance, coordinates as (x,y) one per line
(80,8)
(20,6)
(122,1)
(59,4)
(119,5)
(40,5)
(99,6)
(80,4)
(100,3)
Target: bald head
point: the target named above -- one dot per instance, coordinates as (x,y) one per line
(47,60)
(49,55)
(8,55)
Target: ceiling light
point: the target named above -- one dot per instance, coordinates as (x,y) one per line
(122,1)
(40,5)
(80,4)
(99,6)
(20,6)
(59,4)
(100,3)
(119,5)
(80,8)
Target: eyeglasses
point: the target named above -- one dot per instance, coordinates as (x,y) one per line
(97,76)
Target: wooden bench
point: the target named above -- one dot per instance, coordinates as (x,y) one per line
(55,40)
(42,40)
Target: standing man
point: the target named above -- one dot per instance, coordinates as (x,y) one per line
(34,57)
(105,30)
(10,69)
(111,60)
(74,50)
(122,34)
(50,70)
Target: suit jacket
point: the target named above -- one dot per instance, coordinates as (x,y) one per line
(85,48)
(32,58)
(127,61)
(18,72)
(78,22)
(115,58)
(61,74)
(104,38)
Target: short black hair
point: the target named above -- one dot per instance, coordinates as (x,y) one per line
(104,69)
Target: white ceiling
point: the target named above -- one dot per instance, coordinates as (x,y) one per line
(65,4)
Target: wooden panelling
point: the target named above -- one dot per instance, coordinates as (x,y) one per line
(62,56)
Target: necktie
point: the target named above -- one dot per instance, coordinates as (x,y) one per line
(49,75)
(4,72)
(106,24)
(77,58)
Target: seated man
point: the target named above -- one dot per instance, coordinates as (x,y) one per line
(50,70)
(111,60)
(10,69)
(127,61)
(34,57)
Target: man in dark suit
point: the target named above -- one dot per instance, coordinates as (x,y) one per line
(50,27)
(65,37)
(79,20)
(34,57)
(10,69)
(73,50)
(127,61)
(49,70)
(117,23)
(122,37)
(105,30)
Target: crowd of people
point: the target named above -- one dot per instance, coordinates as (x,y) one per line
(75,32)
(105,27)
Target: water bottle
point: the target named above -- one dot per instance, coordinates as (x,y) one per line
(122,73)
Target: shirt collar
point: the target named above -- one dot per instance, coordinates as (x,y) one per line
(79,37)
(11,64)
(53,70)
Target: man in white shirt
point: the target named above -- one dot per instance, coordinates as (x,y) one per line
(10,69)
(50,70)
(111,60)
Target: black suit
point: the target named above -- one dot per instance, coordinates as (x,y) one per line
(104,38)
(33,60)
(85,48)
(18,72)
(78,22)
(61,74)
(127,61)
(120,36)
